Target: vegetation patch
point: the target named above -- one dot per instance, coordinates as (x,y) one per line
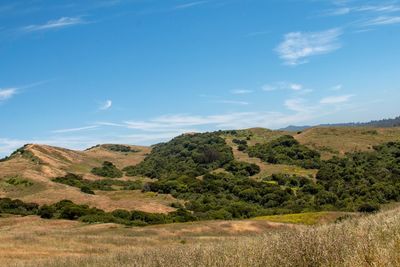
(107,170)
(17,207)
(308,218)
(286,150)
(18,181)
(191,155)
(120,148)
(87,186)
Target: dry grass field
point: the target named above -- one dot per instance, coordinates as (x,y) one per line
(372,240)
(331,141)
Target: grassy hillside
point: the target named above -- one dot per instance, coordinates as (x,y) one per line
(333,141)
(40,164)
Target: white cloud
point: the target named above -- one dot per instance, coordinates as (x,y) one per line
(7,93)
(383,8)
(55,24)
(382,20)
(241,92)
(378,8)
(233,102)
(296,87)
(337,87)
(76,129)
(189,5)
(297,47)
(336,99)
(107,105)
(282,86)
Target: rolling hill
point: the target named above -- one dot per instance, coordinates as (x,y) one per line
(29,173)
(203,195)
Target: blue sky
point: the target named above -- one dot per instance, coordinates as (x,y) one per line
(79,73)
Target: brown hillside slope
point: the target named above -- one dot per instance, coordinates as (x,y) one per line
(47,162)
(331,141)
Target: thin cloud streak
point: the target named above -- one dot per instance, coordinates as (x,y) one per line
(72,130)
(55,24)
(189,5)
(336,99)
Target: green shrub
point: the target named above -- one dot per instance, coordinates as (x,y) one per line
(107,170)
(17,207)
(368,208)
(242,168)
(286,150)
(86,189)
(192,155)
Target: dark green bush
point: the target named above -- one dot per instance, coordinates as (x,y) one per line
(192,155)
(86,189)
(107,170)
(286,150)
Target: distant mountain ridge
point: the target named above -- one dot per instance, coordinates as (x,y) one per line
(384,123)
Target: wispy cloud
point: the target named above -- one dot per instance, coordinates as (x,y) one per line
(241,91)
(233,102)
(282,86)
(371,9)
(55,24)
(189,5)
(72,130)
(106,105)
(336,99)
(337,87)
(297,47)
(382,20)
(7,93)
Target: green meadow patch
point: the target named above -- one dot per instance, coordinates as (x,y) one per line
(307,218)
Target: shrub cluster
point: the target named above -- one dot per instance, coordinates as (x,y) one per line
(119,148)
(17,207)
(192,155)
(286,150)
(363,177)
(107,170)
(66,209)
(242,168)
(87,186)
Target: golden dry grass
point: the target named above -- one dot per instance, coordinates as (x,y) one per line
(307,218)
(332,141)
(372,240)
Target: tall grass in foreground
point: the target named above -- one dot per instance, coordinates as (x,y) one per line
(368,241)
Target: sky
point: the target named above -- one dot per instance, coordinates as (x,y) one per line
(80,73)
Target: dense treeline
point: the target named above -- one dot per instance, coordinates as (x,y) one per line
(68,210)
(286,150)
(363,177)
(192,155)
(360,181)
